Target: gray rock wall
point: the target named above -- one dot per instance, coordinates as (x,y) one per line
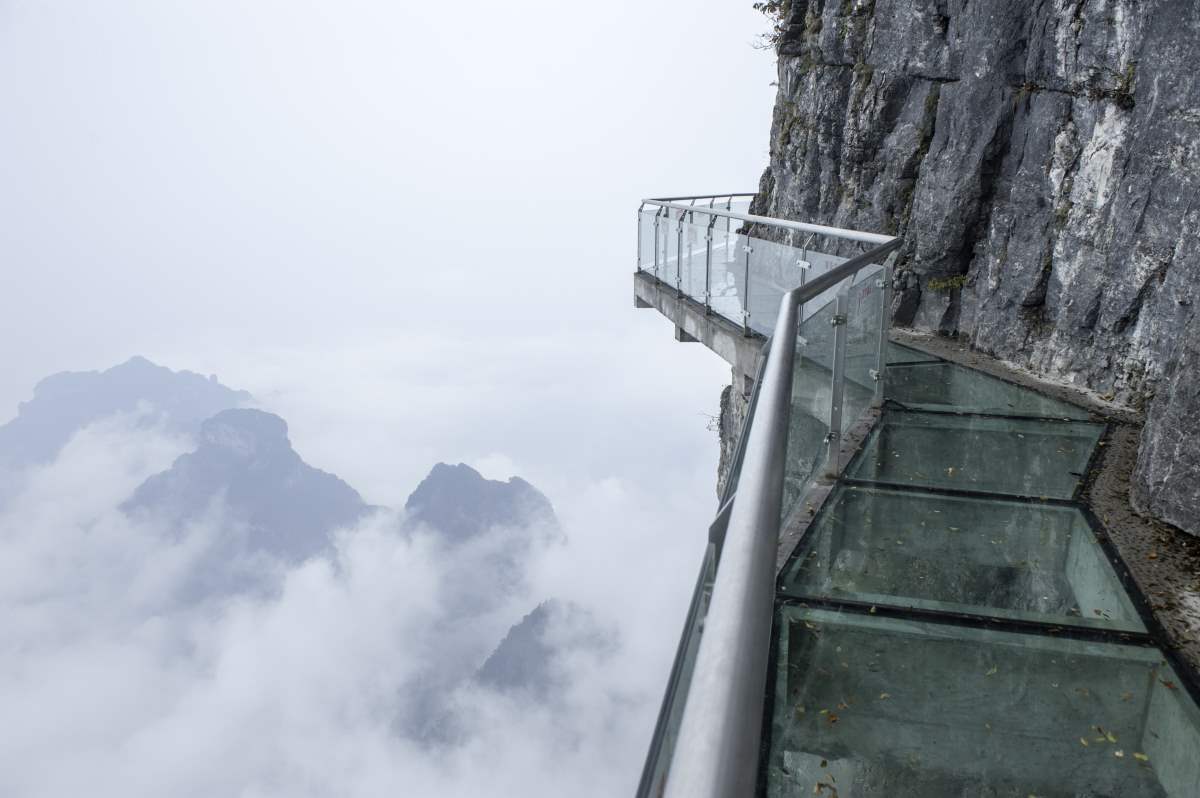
(1042,161)
(734,407)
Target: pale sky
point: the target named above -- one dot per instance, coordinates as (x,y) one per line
(409,229)
(223,186)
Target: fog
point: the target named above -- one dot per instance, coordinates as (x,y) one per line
(408,230)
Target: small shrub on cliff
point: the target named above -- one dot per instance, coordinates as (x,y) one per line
(776,12)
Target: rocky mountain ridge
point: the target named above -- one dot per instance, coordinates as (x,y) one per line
(275,509)
(245,461)
(64,403)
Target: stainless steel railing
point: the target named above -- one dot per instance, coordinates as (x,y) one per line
(716,742)
(736,264)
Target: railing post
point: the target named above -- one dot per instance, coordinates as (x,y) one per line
(833,458)
(666,245)
(679,256)
(728,229)
(657,218)
(708,237)
(746,290)
(804,265)
(885,317)
(641,208)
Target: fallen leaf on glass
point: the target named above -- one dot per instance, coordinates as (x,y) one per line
(1083,742)
(993,671)
(1119,754)
(884,696)
(1140,757)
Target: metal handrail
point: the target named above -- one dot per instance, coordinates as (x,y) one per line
(804,227)
(717,750)
(704,197)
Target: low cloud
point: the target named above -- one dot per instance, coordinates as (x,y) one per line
(327,682)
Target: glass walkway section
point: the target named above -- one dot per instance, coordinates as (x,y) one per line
(903,594)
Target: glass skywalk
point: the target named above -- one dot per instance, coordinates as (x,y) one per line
(951,625)
(1014,456)
(994,557)
(874,706)
(947,621)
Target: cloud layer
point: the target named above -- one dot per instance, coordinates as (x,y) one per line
(327,683)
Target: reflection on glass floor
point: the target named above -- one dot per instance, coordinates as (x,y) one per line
(899,354)
(942,386)
(996,557)
(1024,457)
(868,706)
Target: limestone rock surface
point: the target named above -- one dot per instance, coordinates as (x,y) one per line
(1042,162)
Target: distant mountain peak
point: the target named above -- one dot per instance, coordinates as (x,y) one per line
(246,461)
(246,433)
(525,660)
(66,402)
(462,504)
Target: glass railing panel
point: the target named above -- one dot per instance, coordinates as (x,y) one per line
(669,270)
(1017,456)
(869,705)
(864,317)
(811,403)
(728,270)
(662,746)
(694,256)
(946,386)
(647,238)
(774,270)
(995,557)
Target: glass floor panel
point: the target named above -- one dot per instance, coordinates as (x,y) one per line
(1023,457)
(943,386)
(866,706)
(994,557)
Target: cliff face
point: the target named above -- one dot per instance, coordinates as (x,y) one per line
(1042,162)
(734,407)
